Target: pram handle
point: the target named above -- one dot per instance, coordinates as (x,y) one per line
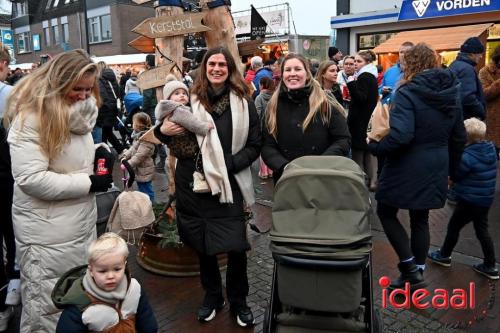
(321,264)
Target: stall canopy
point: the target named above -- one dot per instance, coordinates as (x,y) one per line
(441,39)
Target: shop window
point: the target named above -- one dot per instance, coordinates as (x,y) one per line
(55,34)
(46,35)
(23,42)
(369,41)
(65,32)
(100,29)
(20,9)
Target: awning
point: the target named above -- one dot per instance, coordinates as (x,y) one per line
(441,39)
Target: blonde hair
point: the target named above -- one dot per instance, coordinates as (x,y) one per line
(323,67)
(319,100)
(475,129)
(106,244)
(43,92)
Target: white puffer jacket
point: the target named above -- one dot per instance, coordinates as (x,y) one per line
(53,213)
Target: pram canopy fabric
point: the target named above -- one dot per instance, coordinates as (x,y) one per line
(322,208)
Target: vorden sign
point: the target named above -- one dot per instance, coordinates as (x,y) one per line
(154,77)
(165,26)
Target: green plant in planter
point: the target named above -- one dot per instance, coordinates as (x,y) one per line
(167,228)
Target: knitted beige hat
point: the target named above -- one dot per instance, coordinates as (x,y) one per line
(171,85)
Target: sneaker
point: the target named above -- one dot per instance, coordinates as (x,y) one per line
(244,316)
(435,257)
(13,292)
(5,317)
(490,272)
(208,311)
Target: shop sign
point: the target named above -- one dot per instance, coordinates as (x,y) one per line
(421,9)
(166,26)
(7,38)
(276,20)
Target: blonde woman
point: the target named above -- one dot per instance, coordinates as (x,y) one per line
(301,119)
(51,113)
(327,75)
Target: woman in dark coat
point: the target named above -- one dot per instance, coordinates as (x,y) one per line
(327,77)
(204,223)
(109,90)
(422,149)
(301,119)
(363,89)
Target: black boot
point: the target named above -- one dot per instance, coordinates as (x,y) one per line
(409,273)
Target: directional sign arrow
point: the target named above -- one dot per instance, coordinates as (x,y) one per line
(143,44)
(154,77)
(165,26)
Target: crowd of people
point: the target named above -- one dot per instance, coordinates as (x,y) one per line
(57,121)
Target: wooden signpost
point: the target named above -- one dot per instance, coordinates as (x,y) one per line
(143,44)
(166,26)
(154,77)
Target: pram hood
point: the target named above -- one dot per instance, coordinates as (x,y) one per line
(321,206)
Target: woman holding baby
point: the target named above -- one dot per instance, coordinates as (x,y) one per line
(214,222)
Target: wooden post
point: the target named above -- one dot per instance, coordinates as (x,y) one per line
(219,19)
(173,48)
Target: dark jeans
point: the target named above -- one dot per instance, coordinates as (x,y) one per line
(463,214)
(236,278)
(109,136)
(6,234)
(398,237)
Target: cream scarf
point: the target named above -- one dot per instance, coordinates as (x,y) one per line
(214,165)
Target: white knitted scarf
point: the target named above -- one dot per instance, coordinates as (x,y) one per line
(214,165)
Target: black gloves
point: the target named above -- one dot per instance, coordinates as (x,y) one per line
(103,161)
(100,183)
(131,173)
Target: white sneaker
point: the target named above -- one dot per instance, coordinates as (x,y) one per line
(5,317)
(13,292)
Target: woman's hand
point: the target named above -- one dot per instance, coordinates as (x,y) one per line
(169,128)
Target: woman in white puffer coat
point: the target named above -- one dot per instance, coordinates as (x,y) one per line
(51,114)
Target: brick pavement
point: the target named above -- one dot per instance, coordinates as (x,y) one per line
(175,300)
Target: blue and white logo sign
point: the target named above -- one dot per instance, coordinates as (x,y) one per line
(7,37)
(420,9)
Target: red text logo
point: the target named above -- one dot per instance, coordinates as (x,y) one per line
(403,298)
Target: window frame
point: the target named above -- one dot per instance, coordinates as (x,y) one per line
(26,42)
(95,26)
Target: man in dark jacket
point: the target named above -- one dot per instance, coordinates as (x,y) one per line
(471,91)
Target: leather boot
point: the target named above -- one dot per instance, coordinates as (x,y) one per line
(409,273)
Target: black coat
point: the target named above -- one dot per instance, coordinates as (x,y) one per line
(204,223)
(292,142)
(108,88)
(5,162)
(471,90)
(364,97)
(424,144)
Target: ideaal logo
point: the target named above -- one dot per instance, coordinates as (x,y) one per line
(440,298)
(420,6)
(459,299)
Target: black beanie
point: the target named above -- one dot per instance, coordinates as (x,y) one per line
(332,50)
(472,45)
(150,60)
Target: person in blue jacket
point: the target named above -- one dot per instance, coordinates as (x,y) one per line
(471,91)
(475,190)
(423,147)
(393,75)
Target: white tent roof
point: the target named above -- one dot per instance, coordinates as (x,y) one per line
(122,59)
(26,65)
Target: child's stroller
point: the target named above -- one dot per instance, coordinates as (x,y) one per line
(321,244)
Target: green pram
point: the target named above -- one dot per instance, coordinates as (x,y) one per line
(321,244)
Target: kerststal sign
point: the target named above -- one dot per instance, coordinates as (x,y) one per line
(167,26)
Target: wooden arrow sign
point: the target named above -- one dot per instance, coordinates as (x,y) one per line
(165,26)
(143,44)
(140,2)
(154,77)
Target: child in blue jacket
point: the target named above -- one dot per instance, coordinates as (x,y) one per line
(475,189)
